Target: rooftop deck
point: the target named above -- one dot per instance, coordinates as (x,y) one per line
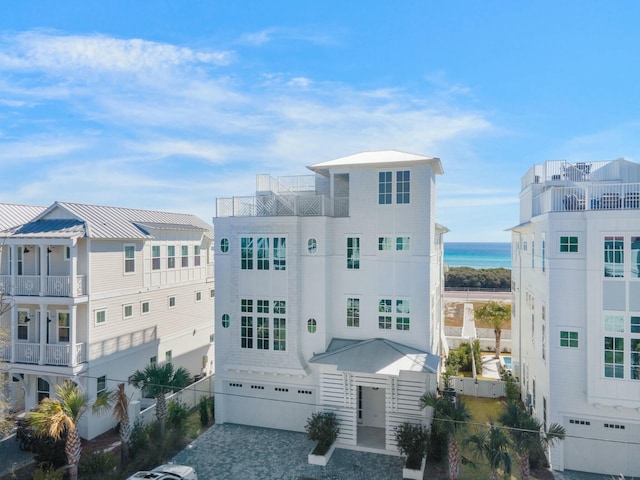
(589,196)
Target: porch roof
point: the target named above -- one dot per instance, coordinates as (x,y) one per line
(49,228)
(376,355)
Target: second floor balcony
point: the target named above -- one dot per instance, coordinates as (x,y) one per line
(43,285)
(44,354)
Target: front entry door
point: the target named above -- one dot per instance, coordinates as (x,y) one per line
(373,406)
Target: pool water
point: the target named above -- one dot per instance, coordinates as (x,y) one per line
(507,362)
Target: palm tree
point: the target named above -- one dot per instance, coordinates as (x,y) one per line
(119,402)
(157,381)
(493,445)
(452,418)
(55,417)
(497,315)
(527,434)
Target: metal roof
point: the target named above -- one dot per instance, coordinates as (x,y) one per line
(12,215)
(376,355)
(382,158)
(65,219)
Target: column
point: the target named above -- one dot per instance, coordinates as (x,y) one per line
(14,269)
(44,273)
(72,335)
(73,267)
(14,330)
(43,334)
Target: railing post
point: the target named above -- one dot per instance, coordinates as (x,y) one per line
(72,336)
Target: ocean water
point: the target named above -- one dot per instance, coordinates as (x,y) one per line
(477,254)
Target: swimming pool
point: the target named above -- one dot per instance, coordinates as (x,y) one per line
(507,362)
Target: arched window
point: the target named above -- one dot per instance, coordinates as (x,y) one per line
(225,320)
(312,325)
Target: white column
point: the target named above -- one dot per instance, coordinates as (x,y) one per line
(43,270)
(14,268)
(14,330)
(43,334)
(73,267)
(72,335)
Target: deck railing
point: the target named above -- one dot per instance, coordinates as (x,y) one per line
(55,285)
(591,196)
(54,354)
(282,205)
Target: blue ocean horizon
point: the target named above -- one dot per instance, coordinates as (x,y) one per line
(478,254)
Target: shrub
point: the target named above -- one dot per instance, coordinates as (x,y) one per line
(203,409)
(139,438)
(42,473)
(322,427)
(48,452)
(98,466)
(212,405)
(437,445)
(413,441)
(177,417)
(512,391)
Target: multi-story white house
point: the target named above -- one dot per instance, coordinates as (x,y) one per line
(329,297)
(576,325)
(97,292)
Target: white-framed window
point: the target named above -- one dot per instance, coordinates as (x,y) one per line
(353,312)
(403,186)
(569,244)
(172,301)
(99,315)
(262,247)
(64,326)
(569,339)
(246,253)
(384,188)
(279,334)
(198,296)
(101,385)
(353,253)
(263,333)
(67,253)
(384,244)
(635,257)
(312,246)
(145,307)
(543,252)
(129,259)
(184,250)
(384,314)
(171,256)
(212,293)
(127,311)
(155,257)
(402,312)
(225,320)
(224,245)
(279,253)
(312,325)
(402,243)
(43,389)
(614,357)
(196,255)
(23,324)
(613,256)
(168,356)
(153,361)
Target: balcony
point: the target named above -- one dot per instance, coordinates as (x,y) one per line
(43,285)
(590,196)
(305,205)
(54,354)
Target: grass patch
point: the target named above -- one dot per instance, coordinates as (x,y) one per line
(454,315)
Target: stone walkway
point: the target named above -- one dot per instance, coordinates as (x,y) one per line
(232,452)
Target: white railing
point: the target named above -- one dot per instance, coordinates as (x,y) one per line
(592,196)
(57,354)
(282,205)
(27,352)
(5,352)
(55,285)
(27,285)
(189,397)
(561,170)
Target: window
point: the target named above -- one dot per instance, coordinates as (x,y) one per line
(533,253)
(196,255)
(384,243)
(225,320)
(402,309)
(43,389)
(246,253)
(63,326)
(101,317)
(543,253)
(67,253)
(127,311)
(353,312)
(198,296)
(155,257)
(635,325)
(353,253)
(613,257)
(280,307)
(212,293)
(402,186)
(614,357)
(224,245)
(384,321)
(246,332)
(384,188)
(262,306)
(544,341)
(23,325)
(20,260)
(145,307)
(263,253)
(279,334)
(312,246)
(171,256)
(184,250)
(614,323)
(168,356)
(279,253)
(101,385)
(312,325)
(402,243)
(635,359)
(569,339)
(246,305)
(129,259)
(153,361)
(263,333)
(635,257)
(568,244)
(172,302)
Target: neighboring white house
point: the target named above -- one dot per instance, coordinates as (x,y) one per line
(97,292)
(330,297)
(576,309)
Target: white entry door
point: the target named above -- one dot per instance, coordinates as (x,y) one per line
(373,407)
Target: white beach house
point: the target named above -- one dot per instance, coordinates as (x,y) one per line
(97,292)
(576,293)
(329,297)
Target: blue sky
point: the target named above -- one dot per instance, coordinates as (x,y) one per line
(169,105)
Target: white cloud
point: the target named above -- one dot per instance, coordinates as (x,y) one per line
(257,38)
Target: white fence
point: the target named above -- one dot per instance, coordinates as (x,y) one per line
(486,336)
(189,397)
(479,387)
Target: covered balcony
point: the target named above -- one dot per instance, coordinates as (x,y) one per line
(44,354)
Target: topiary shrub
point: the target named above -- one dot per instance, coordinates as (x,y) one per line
(322,427)
(412,441)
